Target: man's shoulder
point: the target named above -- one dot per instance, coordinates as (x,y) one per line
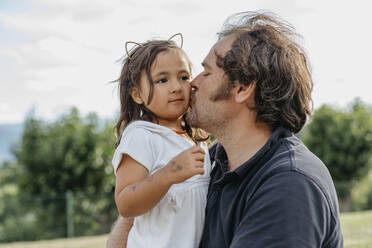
(304,161)
(294,156)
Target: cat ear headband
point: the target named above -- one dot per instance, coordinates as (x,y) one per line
(140,45)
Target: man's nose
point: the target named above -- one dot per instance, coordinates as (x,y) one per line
(196,82)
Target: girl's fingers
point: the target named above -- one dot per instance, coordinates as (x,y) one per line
(197,149)
(198,170)
(199,157)
(200,164)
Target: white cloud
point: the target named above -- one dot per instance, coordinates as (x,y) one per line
(4,107)
(63,53)
(8,115)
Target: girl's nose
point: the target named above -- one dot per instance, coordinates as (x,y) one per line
(176,86)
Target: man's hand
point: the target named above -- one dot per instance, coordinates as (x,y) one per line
(119,234)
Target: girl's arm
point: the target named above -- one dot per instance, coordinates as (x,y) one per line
(136,192)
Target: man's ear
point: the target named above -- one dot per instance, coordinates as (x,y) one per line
(136,95)
(244,93)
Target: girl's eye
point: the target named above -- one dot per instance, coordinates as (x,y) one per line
(185,78)
(206,74)
(161,81)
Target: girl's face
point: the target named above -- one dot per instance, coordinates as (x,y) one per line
(170,73)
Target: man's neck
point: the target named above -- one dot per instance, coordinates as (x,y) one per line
(242,140)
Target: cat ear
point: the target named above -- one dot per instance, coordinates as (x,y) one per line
(180,37)
(135,44)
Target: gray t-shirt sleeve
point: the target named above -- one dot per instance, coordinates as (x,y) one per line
(287,210)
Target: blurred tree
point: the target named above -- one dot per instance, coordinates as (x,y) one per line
(342,139)
(71,154)
(15,221)
(60,156)
(362,193)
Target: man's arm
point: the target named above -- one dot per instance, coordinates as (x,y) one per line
(119,234)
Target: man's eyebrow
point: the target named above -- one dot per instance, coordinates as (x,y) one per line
(205,64)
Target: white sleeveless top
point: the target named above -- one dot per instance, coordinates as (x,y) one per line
(178,219)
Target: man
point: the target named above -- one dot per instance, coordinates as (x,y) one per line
(267,189)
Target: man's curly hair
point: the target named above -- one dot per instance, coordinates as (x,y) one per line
(266,52)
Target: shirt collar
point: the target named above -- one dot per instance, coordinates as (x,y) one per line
(260,157)
(221,159)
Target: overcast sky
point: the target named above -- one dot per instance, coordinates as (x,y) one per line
(55,54)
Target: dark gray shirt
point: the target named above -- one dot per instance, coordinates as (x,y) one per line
(282,197)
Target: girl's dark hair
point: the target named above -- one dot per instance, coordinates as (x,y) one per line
(137,62)
(266,53)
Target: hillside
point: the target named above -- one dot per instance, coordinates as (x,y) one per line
(9,135)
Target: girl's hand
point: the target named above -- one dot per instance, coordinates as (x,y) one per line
(185,165)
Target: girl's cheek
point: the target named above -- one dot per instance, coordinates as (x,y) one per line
(189,87)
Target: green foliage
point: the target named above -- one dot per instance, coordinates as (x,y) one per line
(64,155)
(342,139)
(73,154)
(362,193)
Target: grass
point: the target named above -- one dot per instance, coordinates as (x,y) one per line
(356,227)
(82,242)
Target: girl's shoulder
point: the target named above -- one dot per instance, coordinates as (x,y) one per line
(157,135)
(141,130)
(136,130)
(148,127)
(146,132)
(138,142)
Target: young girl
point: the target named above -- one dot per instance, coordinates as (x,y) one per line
(162,176)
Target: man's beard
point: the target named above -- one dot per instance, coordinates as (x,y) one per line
(223,92)
(193,116)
